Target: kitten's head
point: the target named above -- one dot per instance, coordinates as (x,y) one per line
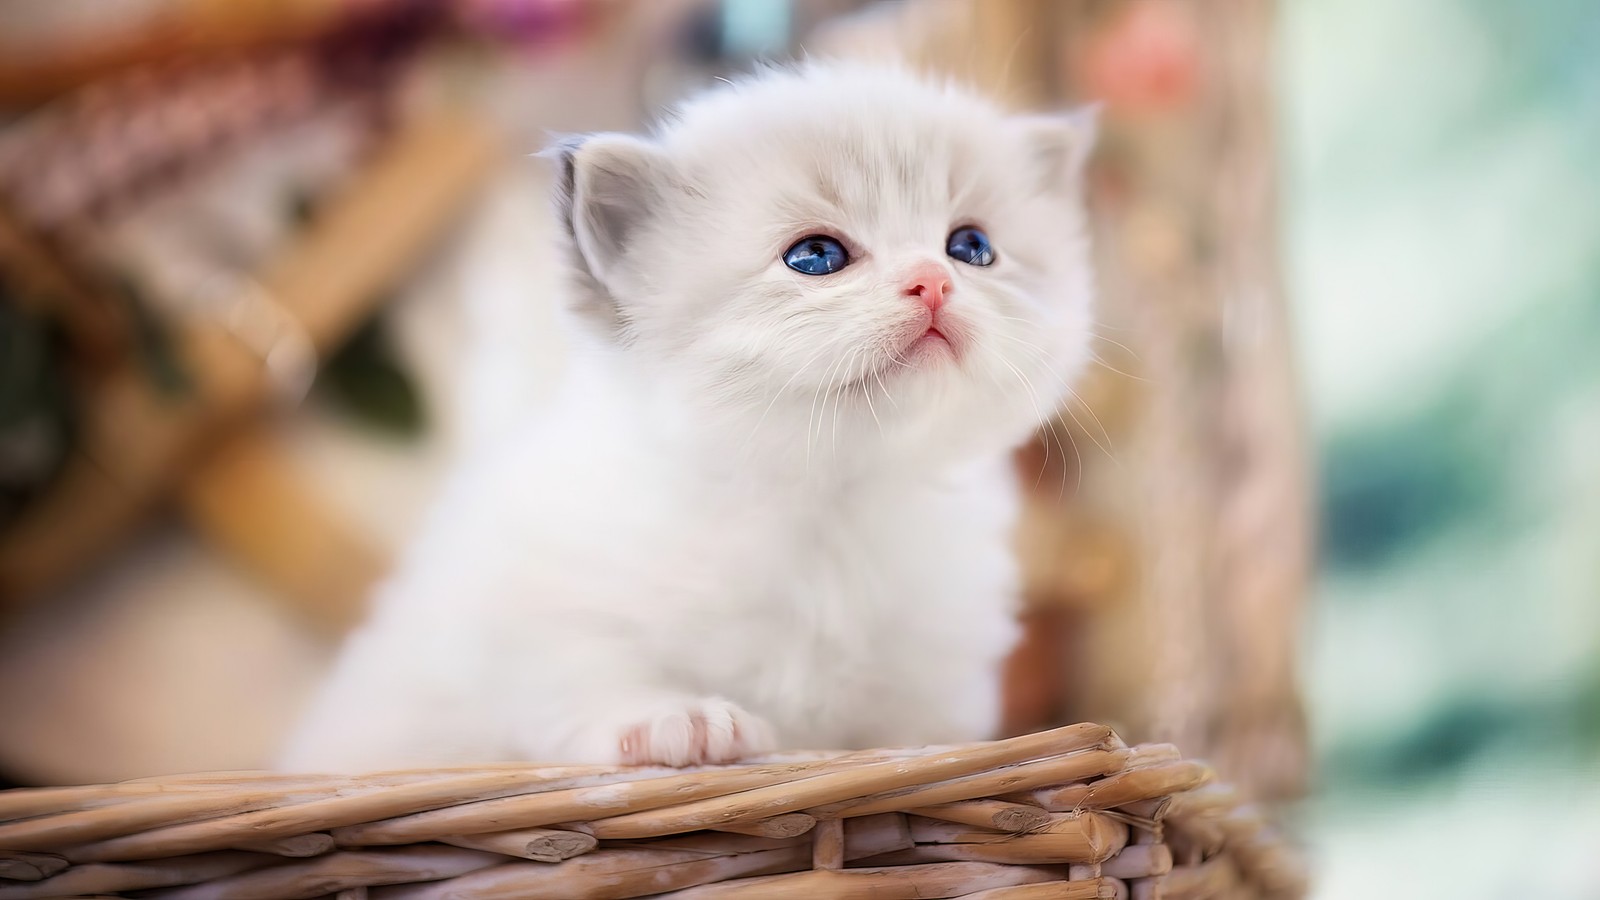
(841,260)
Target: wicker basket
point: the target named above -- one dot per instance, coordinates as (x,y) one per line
(1069,813)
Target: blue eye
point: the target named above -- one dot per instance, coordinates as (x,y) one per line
(816,254)
(970,246)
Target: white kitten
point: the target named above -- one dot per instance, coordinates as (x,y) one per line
(773,505)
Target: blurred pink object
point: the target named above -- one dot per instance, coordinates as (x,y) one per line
(1146,60)
(521,20)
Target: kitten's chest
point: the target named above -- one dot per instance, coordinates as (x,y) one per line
(853,603)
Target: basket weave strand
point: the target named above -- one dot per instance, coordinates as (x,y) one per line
(1068,813)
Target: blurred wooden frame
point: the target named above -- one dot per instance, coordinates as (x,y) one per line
(206,450)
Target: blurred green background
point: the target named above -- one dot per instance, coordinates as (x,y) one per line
(1444,234)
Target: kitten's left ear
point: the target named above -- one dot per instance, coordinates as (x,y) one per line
(610,186)
(1063,143)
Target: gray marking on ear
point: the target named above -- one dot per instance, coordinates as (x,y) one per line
(561,150)
(618,184)
(606,187)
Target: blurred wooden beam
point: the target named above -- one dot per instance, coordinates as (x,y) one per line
(138,445)
(32,74)
(1213,476)
(250,502)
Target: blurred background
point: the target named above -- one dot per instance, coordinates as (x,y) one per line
(1327,511)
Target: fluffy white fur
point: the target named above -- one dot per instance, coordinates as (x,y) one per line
(756,517)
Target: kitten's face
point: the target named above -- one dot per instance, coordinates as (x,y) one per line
(854,260)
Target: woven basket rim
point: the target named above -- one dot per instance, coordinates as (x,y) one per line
(1069,812)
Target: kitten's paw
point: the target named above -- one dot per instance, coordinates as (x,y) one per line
(693,733)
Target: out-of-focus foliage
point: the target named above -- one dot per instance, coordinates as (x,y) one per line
(367,379)
(1444,212)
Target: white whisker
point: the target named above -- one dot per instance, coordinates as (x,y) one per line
(775,397)
(838,399)
(1072,394)
(1077,482)
(1105,365)
(1028,389)
(816,394)
(866,393)
(826,390)
(1115,343)
(1044,465)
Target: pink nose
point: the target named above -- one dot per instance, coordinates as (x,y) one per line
(929,283)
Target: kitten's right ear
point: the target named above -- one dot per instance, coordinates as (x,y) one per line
(609,186)
(1062,144)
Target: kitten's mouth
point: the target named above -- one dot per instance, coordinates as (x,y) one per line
(920,343)
(933,339)
(929,341)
